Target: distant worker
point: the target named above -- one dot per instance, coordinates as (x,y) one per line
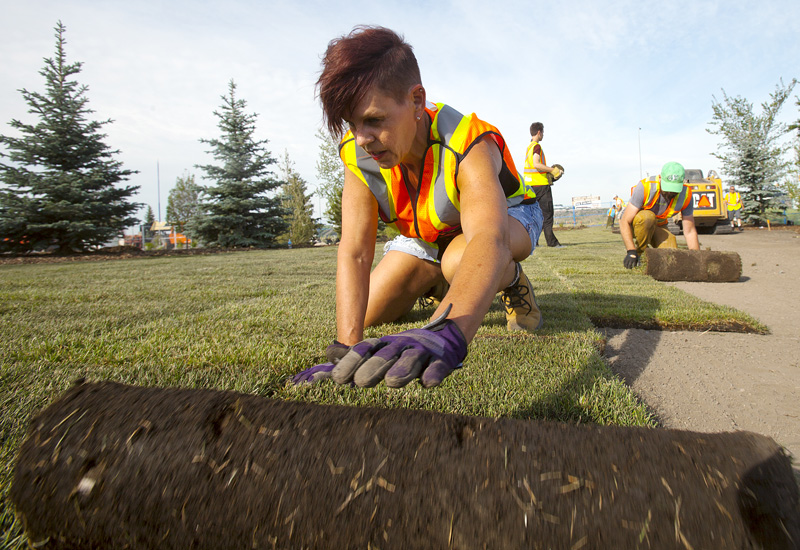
(619,203)
(612,214)
(650,207)
(541,177)
(734,201)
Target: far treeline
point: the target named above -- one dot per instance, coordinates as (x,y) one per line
(61,187)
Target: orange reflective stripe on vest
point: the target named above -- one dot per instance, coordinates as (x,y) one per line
(434,208)
(652,191)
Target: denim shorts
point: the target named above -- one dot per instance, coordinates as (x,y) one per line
(529,215)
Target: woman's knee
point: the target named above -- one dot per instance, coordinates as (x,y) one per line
(451,258)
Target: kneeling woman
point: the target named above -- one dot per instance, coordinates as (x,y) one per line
(449,185)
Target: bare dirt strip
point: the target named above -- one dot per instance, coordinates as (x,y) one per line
(713,381)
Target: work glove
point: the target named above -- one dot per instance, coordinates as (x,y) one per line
(430,353)
(557,172)
(333,353)
(631,259)
(316,373)
(336,351)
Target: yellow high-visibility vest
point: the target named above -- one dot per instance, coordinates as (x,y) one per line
(734,200)
(652,190)
(435,208)
(532,175)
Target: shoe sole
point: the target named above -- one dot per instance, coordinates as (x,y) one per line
(515,327)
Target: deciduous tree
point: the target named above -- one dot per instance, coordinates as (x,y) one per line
(183,202)
(300,209)
(331,176)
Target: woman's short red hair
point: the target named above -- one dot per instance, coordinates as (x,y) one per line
(353,64)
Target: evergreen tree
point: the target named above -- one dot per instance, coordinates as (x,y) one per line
(300,209)
(792,184)
(149,220)
(183,202)
(752,152)
(331,175)
(60,182)
(236,210)
(149,217)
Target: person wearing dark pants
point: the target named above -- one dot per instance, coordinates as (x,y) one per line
(545,197)
(540,177)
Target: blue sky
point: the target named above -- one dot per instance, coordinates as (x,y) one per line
(604,77)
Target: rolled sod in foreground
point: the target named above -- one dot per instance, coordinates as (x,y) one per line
(713,266)
(114,466)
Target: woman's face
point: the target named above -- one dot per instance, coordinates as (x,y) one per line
(384,127)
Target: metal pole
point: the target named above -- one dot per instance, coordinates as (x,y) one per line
(640,155)
(158,182)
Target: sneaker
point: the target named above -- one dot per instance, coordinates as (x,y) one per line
(522,311)
(434,295)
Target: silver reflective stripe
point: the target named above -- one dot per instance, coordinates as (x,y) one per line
(447,121)
(679,200)
(377,185)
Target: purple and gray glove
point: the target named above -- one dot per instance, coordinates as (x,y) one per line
(334,352)
(430,353)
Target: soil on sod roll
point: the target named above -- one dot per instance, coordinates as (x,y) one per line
(672,264)
(114,466)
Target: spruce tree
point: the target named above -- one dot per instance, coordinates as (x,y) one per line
(752,153)
(237,212)
(149,220)
(60,182)
(792,183)
(300,209)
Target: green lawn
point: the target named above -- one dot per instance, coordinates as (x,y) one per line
(246,321)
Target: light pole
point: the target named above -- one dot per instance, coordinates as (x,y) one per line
(158,184)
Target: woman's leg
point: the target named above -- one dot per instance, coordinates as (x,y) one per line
(396,283)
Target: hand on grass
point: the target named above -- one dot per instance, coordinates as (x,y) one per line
(631,259)
(333,353)
(316,373)
(430,353)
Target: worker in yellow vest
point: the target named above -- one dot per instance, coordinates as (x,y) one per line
(734,201)
(540,177)
(447,182)
(650,207)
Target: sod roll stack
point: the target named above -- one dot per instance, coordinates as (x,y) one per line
(114,466)
(672,264)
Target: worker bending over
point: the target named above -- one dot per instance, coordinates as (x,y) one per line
(652,204)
